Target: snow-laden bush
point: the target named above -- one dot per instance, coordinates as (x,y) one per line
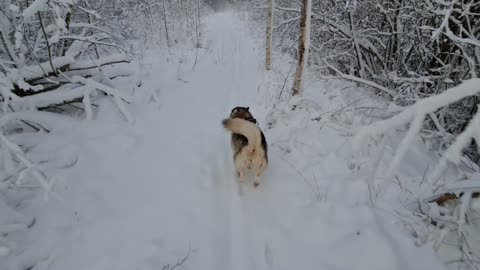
(52,53)
(444,199)
(423,57)
(406,50)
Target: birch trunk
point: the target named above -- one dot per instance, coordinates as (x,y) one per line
(166,24)
(303,45)
(268,47)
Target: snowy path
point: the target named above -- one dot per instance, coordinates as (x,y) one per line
(146,198)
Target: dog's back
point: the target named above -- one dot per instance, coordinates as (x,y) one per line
(248,141)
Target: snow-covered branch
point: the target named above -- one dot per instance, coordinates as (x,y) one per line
(45,182)
(44,63)
(94,63)
(117,97)
(362,81)
(45,69)
(415,115)
(93,40)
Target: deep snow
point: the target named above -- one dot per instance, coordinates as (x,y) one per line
(145,195)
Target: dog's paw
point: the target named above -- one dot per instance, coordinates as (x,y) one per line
(255,184)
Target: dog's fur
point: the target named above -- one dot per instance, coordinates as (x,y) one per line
(248,143)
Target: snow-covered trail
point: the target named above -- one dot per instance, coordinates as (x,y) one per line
(165,190)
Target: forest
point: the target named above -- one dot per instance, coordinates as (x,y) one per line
(110,134)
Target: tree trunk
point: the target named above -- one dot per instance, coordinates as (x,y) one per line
(197,22)
(268,47)
(166,24)
(197,34)
(303,45)
(356,46)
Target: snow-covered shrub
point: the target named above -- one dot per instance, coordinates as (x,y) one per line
(422,56)
(445,199)
(52,54)
(406,50)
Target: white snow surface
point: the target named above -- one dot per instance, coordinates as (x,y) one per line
(146,194)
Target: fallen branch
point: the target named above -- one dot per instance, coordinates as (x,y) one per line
(108,60)
(94,41)
(47,120)
(101,87)
(62,95)
(445,197)
(468,88)
(117,97)
(415,115)
(36,72)
(46,182)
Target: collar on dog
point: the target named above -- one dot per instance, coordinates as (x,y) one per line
(253,120)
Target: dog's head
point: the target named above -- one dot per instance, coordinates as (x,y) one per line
(241,112)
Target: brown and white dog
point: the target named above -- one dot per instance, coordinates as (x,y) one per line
(248,143)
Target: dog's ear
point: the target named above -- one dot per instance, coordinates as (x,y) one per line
(235,110)
(248,108)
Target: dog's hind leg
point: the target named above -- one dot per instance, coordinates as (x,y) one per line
(258,172)
(241,176)
(240,168)
(256,181)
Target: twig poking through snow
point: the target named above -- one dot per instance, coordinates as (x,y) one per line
(179,263)
(87,103)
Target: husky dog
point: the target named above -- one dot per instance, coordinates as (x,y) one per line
(248,143)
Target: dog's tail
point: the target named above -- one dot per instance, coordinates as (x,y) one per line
(245,128)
